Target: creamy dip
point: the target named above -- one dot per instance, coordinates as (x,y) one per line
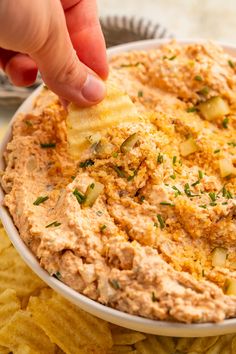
(159,241)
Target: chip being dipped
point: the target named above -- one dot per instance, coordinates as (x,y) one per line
(85,126)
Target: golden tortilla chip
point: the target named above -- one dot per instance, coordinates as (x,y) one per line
(4,240)
(72,329)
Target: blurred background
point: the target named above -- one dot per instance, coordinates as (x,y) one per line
(212,19)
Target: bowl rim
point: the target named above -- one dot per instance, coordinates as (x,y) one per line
(95,308)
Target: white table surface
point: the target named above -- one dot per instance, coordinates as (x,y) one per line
(211,19)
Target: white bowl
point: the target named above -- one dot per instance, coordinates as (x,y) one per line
(107,313)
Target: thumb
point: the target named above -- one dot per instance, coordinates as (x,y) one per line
(60,66)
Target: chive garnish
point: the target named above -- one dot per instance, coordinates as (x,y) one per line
(160,158)
(29,123)
(232,143)
(140,93)
(167,203)
(173,57)
(115,154)
(174,160)
(225,122)
(142,198)
(86,163)
(188,192)
(216,151)
(72,177)
(99,213)
(48,145)
(130,65)
(103,227)
(154,298)
(57,275)
(224,203)
(212,196)
(191,109)
(177,191)
(54,223)
(213,203)
(227,194)
(119,171)
(204,91)
(200,174)
(231,64)
(198,78)
(79,196)
(173,176)
(195,183)
(115,284)
(204,206)
(161,221)
(40,200)
(203,273)
(92,185)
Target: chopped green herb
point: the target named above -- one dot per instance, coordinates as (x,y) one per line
(130,65)
(142,198)
(198,78)
(140,93)
(115,284)
(195,183)
(173,57)
(213,203)
(224,203)
(161,221)
(167,203)
(29,123)
(155,224)
(232,143)
(204,91)
(188,192)
(40,200)
(212,196)
(203,273)
(154,298)
(72,177)
(86,163)
(174,160)
(160,158)
(204,206)
(225,122)
(130,177)
(191,109)
(216,151)
(99,213)
(115,154)
(103,227)
(92,185)
(57,275)
(54,223)
(119,171)
(200,174)
(177,191)
(227,194)
(231,64)
(173,176)
(79,196)
(48,145)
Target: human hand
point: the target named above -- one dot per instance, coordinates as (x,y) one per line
(63,39)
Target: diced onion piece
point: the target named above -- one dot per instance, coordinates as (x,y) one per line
(129,143)
(92,193)
(214,108)
(219,256)
(188,147)
(226,168)
(230,286)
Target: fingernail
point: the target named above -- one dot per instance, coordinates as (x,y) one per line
(93,89)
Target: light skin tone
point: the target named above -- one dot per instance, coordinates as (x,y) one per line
(62,39)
